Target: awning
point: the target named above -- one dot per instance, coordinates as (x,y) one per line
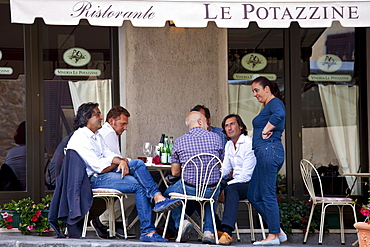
(195,13)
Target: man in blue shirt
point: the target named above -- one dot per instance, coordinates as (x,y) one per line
(205,111)
(198,140)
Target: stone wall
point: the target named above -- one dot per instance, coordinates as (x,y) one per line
(164,73)
(12,110)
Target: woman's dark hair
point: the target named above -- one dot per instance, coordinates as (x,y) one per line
(238,120)
(274,87)
(20,134)
(84,113)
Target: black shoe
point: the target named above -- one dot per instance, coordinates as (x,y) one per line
(100,229)
(120,233)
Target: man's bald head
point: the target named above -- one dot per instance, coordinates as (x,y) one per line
(196,119)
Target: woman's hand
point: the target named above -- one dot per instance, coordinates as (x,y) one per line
(266,135)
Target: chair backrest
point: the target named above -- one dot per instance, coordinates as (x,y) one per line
(203,165)
(307,169)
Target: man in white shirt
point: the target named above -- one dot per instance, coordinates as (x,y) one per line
(116,123)
(109,170)
(239,161)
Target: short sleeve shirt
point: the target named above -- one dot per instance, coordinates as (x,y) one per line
(197,141)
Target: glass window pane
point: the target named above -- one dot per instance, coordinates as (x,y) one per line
(13,175)
(252,52)
(77,69)
(330,106)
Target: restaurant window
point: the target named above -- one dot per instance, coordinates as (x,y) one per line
(76,70)
(254,52)
(329,100)
(13,162)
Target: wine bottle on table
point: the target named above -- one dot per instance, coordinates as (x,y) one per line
(164,151)
(170,145)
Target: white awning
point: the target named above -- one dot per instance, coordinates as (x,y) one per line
(195,13)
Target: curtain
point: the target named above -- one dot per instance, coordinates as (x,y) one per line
(98,91)
(339,104)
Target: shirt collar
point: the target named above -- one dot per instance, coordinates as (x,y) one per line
(89,133)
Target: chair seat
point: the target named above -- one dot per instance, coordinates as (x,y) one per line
(189,197)
(104,190)
(334,199)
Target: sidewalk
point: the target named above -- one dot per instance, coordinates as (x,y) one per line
(16,239)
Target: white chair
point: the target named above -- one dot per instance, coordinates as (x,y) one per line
(251,224)
(307,170)
(108,195)
(204,164)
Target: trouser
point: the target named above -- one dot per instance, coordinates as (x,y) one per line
(262,187)
(233,194)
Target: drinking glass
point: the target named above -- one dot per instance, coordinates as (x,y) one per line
(147,151)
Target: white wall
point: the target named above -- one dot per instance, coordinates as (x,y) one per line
(164,73)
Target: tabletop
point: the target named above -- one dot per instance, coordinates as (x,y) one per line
(361,174)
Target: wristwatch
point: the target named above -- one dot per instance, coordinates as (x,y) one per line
(265,134)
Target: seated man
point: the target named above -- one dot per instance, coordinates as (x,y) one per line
(108,170)
(115,124)
(205,111)
(197,140)
(240,161)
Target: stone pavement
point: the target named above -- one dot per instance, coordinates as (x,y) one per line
(16,239)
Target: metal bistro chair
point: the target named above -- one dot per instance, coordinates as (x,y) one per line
(108,195)
(204,168)
(251,224)
(307,169)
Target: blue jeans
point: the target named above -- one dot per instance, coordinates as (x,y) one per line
(233,194)
(262,187)
(140,182)
(176,213)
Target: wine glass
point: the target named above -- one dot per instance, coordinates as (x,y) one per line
(147,151)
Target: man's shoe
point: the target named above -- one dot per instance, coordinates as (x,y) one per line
(225,239)
(219,234)
(208,237)
(120,233)
(274,242)
(154,238)
(100,229)
(185,235)
(166,205)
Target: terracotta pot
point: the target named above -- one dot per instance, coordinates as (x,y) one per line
(363,233)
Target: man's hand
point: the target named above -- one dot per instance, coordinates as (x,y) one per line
(123,167)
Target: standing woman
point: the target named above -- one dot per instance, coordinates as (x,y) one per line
(268,127)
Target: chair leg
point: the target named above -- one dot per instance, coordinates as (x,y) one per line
(110,206)
(309,223)
(85,225)
(178,239)
(340,208)
(133,222)
(251,224)
(214,221)
(166,223)
(321,233)
(237,232)
(262,227)
(120,198)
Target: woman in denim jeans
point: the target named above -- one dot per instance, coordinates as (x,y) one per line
(268,127)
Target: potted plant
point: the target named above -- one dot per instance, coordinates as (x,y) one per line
(32,217)
(363,228)
(294,214)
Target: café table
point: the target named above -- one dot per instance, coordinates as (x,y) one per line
(161,169)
